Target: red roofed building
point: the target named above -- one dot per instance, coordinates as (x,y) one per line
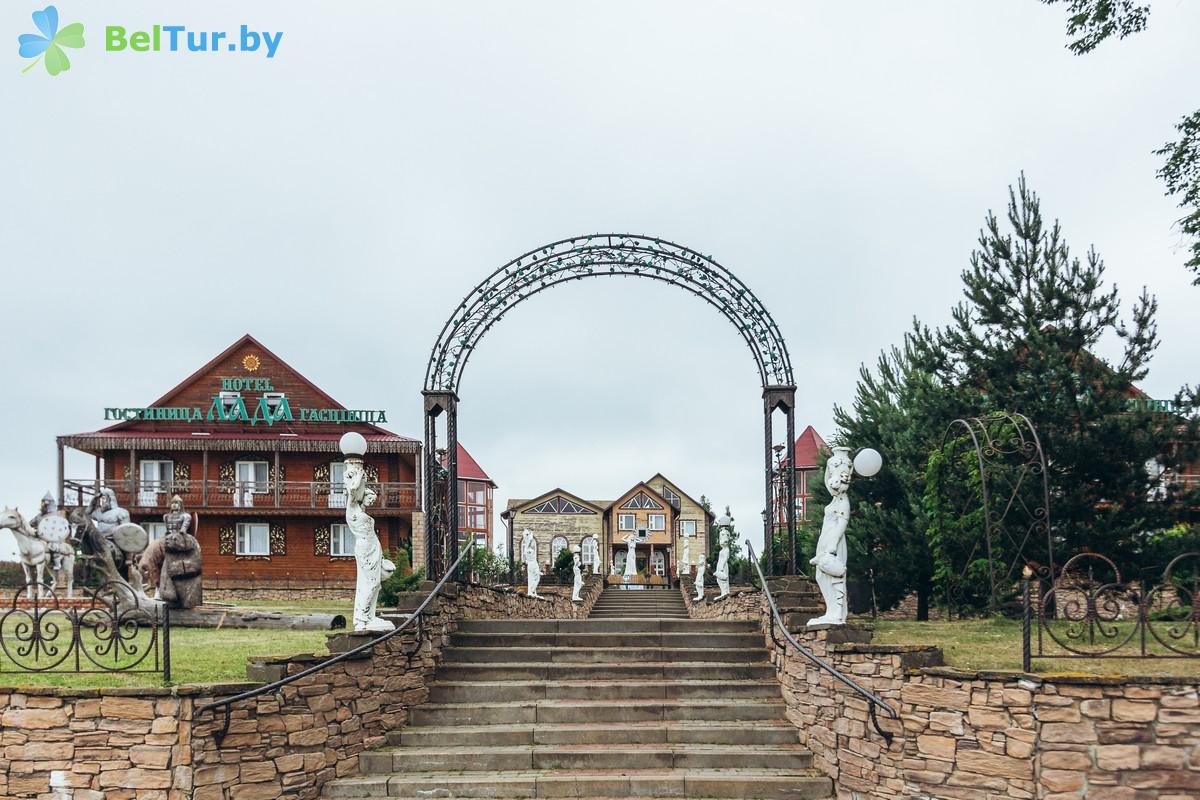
(251,447)
(809,448)
(474,499)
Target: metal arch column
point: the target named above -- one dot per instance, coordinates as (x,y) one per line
(437,403)
(780,398)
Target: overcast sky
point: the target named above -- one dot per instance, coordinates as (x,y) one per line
(338,200)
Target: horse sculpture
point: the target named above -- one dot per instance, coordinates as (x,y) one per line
(37,552)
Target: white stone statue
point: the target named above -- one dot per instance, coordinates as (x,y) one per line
(53,529)
(681,564)
(699,577)
(577,587)
(373,568)
(830,560)
(529,554)
(630,558)
(721,572)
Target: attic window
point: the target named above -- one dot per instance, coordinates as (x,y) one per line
(642,500)
(559,505)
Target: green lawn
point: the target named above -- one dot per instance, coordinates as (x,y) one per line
(995,644)
(198,655)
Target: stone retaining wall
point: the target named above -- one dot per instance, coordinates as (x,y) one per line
(980,735)
(146,744)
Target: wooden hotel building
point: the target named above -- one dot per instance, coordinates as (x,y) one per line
(251,446)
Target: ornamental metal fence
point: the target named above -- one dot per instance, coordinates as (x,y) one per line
(1090,612)
(108,629)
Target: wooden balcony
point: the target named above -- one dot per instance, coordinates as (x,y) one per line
(241,497)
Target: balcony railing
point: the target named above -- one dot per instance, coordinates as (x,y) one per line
(217,494)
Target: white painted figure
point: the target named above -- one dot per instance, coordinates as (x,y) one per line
(529,554)
(373,568)
(830,560)
(721,572)
(682,564)
(699,577)
(630,558)
(577,587)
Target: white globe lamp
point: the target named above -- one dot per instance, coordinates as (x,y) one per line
(353,443)
(868,462)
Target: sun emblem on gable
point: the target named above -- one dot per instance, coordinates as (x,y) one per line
(251,363)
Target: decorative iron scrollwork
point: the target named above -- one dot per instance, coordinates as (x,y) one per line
(110,629)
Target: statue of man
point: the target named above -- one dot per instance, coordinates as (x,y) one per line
(179,580)
(533,571)
(721,572)
(830,560)
(681,564)
(700,577)
(373,568)
(55,534)
(124,540)
(577,587)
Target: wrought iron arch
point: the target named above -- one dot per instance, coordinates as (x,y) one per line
(1009,455)
(573,259)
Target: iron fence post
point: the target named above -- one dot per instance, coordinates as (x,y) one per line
(166,643)
(1026,618)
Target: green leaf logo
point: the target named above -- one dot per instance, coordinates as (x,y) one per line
(47,46)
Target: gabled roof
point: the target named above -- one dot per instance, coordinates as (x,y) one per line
(650,490)
(809,447)
(517,505)
(677,490)
(468,467)
(135,428)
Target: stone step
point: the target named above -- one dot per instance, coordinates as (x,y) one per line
(634,615)
(530,671)
(591,625)
(528,712)
(596,640)
(585,756)
(483,691)
(610,655)
(758,732)
(725,784)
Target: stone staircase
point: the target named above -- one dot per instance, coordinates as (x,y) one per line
(644,706)
(616,603)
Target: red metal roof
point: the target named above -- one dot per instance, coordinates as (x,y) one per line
(809,447)
(468,467)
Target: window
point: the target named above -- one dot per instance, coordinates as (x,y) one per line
(642,500)
(590,555)
(687,527)
(557,545)
(558,505)
(252,479)
(253,539)
(799,507)
(154,478)
(341,540)
(626,522)
(619,561)
(672,498)
(659,563)
(337,484)
(155,530)
(658,522)
(473,506)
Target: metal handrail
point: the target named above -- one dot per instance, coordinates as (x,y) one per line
(362,648)
(873,701)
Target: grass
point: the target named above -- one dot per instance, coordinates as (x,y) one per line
(198,655)
(344,607)
(995,644)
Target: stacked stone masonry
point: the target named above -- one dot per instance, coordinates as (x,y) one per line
(982,735)
(147,744)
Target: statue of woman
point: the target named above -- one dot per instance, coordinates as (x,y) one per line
(700,577)
(529,554)
(630,558)
(373,568)
(577,587)
(830,560)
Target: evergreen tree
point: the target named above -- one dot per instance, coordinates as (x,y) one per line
(902,411)
(1025,340)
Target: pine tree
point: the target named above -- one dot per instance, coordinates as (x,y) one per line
(1026,340)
